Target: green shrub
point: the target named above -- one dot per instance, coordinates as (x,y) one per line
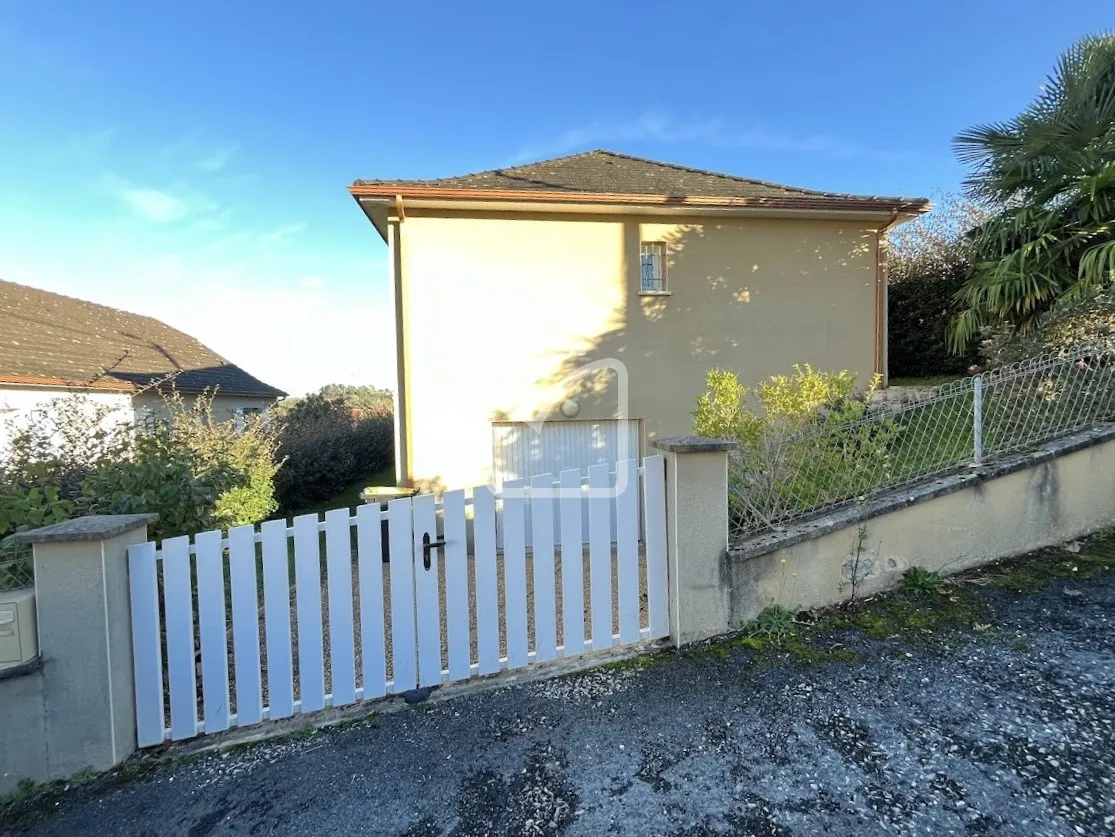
(194,472)
(801,442)
(1087,322)
(788,402)
(722,411)
(329,440)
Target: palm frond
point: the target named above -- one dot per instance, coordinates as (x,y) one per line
(1051,169)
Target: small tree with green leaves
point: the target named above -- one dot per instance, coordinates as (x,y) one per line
(801,440)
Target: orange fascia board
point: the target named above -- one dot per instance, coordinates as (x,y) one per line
(904,205)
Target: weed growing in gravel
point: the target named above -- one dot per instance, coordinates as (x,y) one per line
(775,633)
(921,581)
(775,624)
(25,789)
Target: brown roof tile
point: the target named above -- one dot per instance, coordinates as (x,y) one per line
(608,172)
(47,338)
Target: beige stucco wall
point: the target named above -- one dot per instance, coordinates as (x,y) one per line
(1051,503)
(499,309)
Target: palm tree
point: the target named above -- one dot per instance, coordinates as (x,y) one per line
(1051,173)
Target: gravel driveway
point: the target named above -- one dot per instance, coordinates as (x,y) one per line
(1003,726)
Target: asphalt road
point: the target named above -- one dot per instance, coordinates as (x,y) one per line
(1008,730)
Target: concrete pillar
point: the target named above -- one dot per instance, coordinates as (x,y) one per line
(697,535)
(85,639)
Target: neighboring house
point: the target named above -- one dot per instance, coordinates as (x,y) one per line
(53,345)
(506,282)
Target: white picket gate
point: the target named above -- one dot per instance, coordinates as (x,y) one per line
(432,614)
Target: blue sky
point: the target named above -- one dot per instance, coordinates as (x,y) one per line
(189,160)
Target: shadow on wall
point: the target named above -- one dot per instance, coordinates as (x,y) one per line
(753,296)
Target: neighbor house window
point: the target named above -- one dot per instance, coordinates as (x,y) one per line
(652,256)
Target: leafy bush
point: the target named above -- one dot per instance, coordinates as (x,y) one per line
(803,446)
(196,473)
(76,458)
(809,397)
(1087,322)
(331,439)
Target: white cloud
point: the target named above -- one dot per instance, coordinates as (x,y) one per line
(161,205)
(664,129)
(292,310)
(650,127)
(216,159)
(282,231)
(154,205)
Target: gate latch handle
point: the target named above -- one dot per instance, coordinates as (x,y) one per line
(427,545)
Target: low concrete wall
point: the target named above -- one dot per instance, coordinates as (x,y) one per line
(1056,494)
(23,728)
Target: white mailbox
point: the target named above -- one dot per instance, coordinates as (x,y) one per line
(19,641)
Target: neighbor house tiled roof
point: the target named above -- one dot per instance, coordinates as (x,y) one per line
(610,174)
(47,339)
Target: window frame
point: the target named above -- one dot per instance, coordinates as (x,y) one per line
(662,280)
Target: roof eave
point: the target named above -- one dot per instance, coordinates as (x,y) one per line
(807,202)
(126,387)
(45,382)
(369,207)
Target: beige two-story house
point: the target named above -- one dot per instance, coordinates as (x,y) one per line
(566,312)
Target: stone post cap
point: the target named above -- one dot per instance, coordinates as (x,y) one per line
(695,444)
(94,527)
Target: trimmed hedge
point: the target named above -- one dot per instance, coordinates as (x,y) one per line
(326,444)
(921,305)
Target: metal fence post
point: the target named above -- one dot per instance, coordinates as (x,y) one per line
(977,419)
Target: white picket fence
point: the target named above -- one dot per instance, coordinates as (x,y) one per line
(431,615)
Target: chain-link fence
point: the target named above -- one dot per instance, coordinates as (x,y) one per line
(16,571)
(778,478)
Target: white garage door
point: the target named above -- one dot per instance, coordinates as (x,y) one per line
(520,452)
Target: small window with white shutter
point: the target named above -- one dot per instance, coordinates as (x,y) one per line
(652,257)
